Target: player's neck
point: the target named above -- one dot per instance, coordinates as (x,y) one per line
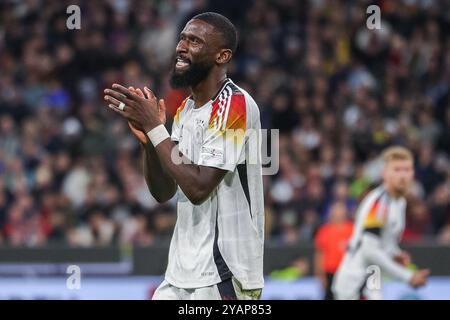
(207,89)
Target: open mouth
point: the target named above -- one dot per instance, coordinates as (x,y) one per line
(182,63)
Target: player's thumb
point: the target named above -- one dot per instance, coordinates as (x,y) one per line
(131,126)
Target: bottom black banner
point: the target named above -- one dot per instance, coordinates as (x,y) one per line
(270,309)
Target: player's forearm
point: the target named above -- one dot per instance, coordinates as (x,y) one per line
(375,255)
(161,185)
(394,249)
(187,175)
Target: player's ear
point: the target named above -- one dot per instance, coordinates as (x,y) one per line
(224,56)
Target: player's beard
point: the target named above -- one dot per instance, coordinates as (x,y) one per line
(402,189)
(192,76)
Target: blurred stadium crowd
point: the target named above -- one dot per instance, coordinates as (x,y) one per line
(71,172)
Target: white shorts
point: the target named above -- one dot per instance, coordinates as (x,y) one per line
(229,289)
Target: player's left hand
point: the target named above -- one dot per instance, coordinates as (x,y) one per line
(403,258)
(140,111)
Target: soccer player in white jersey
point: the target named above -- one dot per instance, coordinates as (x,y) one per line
(379,224)
(216,251)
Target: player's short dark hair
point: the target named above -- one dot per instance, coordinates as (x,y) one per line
(223,25)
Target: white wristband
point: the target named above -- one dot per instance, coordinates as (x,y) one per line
(158,134)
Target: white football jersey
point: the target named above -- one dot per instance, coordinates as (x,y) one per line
(224,235)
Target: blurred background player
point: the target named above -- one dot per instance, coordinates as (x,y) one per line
(379,224)
(330,244)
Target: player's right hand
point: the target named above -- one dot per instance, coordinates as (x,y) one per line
(419,278)
(140,135)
